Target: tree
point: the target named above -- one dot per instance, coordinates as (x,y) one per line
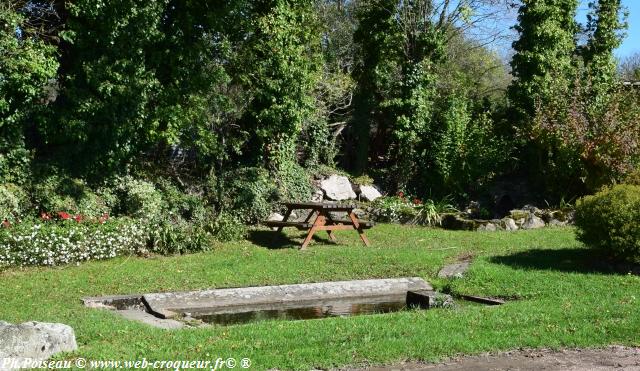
(376,74)
(27,68)
(405,80)
(105,113)
(282,66)
(544,54)
(604,29)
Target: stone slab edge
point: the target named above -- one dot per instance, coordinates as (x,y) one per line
(168,305)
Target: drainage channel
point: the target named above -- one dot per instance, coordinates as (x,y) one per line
(231,306)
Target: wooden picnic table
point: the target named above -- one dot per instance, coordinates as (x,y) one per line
(323,220)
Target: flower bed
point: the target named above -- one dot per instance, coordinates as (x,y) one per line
(68,239)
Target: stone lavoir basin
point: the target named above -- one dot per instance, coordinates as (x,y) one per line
(227,306)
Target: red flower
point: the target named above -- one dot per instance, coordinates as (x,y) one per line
(417,201)
(401,194)
(45,216)
(6,223)
(64,215)
(78,218)
(103,218)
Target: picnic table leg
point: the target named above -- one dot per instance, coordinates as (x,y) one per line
(356,225)
(286,217)
(320,221)
(332,235)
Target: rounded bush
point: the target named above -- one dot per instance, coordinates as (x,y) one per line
(139,198)
(227,227)
(610,221)
(251,192)
(57,192)
(12,202)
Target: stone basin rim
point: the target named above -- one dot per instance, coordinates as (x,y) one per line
(169,305)
(173,304)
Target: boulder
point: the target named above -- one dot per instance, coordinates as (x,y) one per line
(337,188)
(457,222)
(532,209)
(456,270)
(557,223)
(489,227)
(275,217)
(31,342)
(510,224)
(518,214)
(369,193)
(533,222)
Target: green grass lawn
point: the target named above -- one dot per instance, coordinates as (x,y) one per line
(560,299)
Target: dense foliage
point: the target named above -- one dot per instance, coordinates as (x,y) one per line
(609,221)
(200,116)
(566,99)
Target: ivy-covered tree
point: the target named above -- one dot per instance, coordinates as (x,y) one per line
(27,67)
(281,68)
(544,54)
(400,46)
(605,24)
(106,107)
(376,72)
(412,107)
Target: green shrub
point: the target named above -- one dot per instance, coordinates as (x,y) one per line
(294,183)
(393,209)
(363,180)
(226,227)
(56,193)
(60,193)
(15,165)
(633,178)
(138,198)
(251,193)
(430,212)
(13,201)
(178,236)
(609,221)
(189,206)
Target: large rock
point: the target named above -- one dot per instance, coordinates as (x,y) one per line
(533,222)
(276,217)
(457,222)
(34,342)
(369,193)
(455,270)
(489,227)
(337,188)
(510,224)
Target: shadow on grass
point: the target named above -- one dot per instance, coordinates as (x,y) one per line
(567,260)
(278,240)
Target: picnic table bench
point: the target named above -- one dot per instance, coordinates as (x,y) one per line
(323,220)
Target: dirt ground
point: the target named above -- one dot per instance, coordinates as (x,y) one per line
(612,358)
